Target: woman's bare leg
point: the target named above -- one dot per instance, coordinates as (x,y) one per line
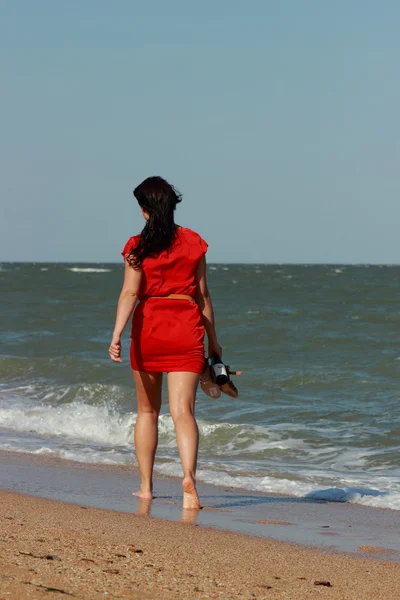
(182,393)
(148,392)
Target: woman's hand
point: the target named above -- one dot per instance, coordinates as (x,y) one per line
(214,348)
(115,348)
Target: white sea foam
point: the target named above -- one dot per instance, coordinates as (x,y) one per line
(87,270)
(72,420)
(365,496)
(82,455)
(88,455)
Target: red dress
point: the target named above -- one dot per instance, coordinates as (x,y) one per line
(168,334)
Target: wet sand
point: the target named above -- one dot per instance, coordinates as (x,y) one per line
(325,525)
(58,550)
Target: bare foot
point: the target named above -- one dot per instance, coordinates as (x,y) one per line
(143,495)
(190,496)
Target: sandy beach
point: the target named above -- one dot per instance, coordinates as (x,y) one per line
(49,546)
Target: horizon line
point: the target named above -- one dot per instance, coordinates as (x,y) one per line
(268,264)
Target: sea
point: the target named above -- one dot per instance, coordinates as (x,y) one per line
(318,413)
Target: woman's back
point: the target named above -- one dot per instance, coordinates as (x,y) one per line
(173,271)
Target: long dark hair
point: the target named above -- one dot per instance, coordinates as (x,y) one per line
(159,198)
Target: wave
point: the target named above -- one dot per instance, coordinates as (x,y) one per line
(41,393)
(102,413)
(83,455)
(92,413)
(245,456)
(73,420)
(105,424)
(87,270)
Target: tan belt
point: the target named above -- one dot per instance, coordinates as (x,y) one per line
(174,297)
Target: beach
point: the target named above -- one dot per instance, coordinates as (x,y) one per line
(143,550)
(49,546)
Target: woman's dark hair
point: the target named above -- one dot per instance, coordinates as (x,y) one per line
(159,198)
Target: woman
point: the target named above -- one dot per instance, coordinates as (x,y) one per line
(165,270)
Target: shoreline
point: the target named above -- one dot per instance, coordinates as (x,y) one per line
(89,553)
(327,526)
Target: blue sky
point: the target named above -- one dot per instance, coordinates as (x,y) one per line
(278,121)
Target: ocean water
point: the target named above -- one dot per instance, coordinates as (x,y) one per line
(318,412)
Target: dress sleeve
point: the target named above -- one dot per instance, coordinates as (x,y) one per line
(204,246)
(130,245)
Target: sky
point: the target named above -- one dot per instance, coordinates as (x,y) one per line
(278,121)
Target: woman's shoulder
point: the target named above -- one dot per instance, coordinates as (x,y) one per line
(194,238)
(190,233)
(135,238)
(131,244)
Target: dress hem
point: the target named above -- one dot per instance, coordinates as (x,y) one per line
(168,370)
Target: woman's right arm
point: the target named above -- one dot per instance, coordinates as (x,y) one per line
(204,302)
(126,304)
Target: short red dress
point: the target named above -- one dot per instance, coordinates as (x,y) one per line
(168,334)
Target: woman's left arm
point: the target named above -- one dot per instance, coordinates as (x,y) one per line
(126,304)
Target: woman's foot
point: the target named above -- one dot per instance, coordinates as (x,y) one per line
(145,495)
(190,496)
